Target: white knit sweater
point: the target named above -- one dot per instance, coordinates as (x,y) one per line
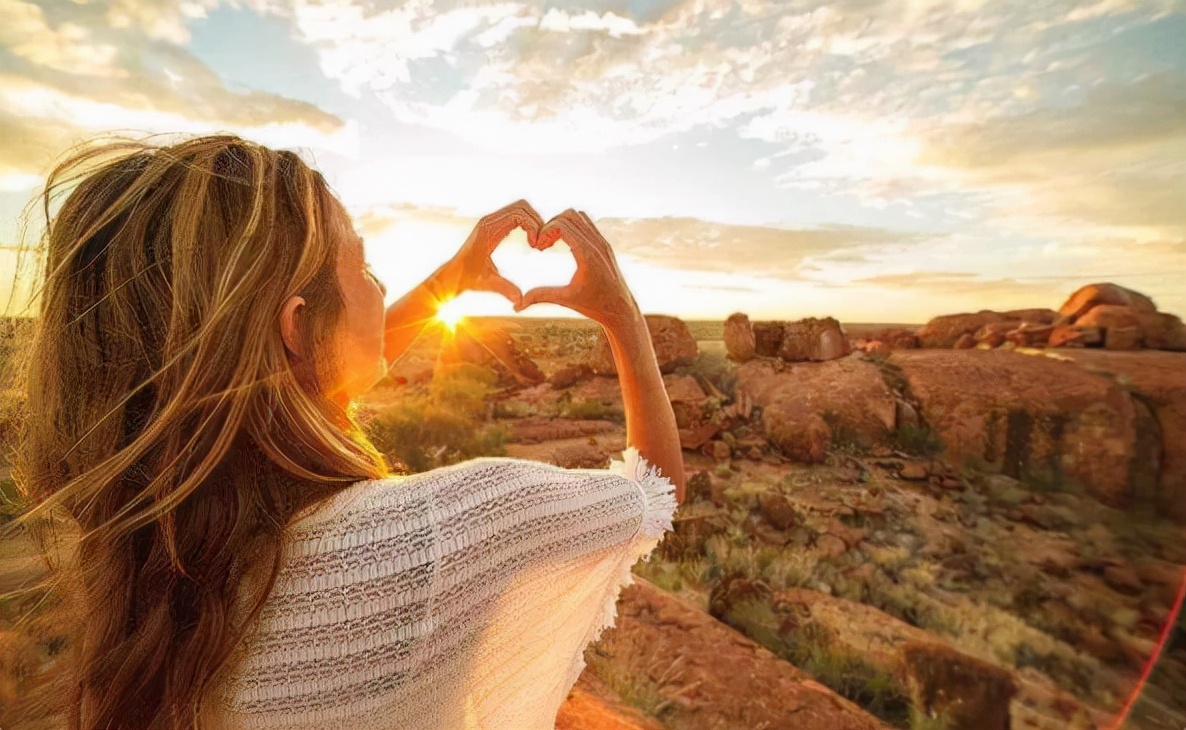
(456,599)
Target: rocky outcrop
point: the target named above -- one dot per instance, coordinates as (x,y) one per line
(971,693)
(849,395)
(1093,295)
(570,375)
(1034,418)
(813,339)
(673,342)
(1104,315)
(800,433)
(1157,384)
(592,705)
(946,331)
(714,675)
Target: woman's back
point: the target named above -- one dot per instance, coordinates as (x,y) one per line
(458,598)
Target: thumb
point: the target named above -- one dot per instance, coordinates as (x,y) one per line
(548,294)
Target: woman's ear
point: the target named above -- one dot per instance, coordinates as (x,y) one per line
(289,330)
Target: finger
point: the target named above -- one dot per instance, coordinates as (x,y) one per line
(564,228)
(519,214)
(499,285)
(548,294)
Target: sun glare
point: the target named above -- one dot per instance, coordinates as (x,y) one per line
(451,313)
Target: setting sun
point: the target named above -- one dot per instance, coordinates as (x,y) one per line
(451,313)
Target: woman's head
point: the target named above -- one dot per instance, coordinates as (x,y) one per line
(204,321)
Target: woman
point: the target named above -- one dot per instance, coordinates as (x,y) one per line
(246,558)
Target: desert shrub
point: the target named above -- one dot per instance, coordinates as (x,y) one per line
(917,440)
(445,426)
(512,409)
(592,409)
(844,439)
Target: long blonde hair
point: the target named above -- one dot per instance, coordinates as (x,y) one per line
(165,419)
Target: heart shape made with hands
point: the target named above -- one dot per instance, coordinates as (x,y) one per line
(530,268)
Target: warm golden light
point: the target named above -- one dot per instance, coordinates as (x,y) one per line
(451,313)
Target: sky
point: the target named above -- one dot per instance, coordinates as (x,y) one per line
(872,160)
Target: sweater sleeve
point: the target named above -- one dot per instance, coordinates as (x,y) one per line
(458,598)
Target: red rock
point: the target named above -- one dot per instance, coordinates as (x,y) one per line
(673,342)
(691,439)
(1123,578)
(877,348)
(1065,335)
(777,510)
(1106,316)
(946,331)
(1168,334)
(1027,416)
(965,342)
(683,389)
(580,456)
(993,333)
(849,393)
(914,471)
(1160,380)
(592,705)
(1123,338)
(1032,316)
(813,339)
(767,338)
(1030,335)
(720,671)
(1092,295)
(568,376)
(536,429)
(740,345)
(718,450)
(802,435)
(972,693)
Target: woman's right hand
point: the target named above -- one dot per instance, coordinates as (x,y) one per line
(598,289)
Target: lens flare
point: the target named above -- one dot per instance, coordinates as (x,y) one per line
(451,313)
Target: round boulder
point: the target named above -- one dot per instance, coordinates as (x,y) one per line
(739,338)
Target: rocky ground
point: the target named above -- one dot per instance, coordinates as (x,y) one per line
(897,526)
(877,534)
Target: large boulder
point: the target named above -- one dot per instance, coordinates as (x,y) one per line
(686,397)
(813,339)
(1159,379)
(971,693)
(767,338)
(1033,418)
(800,433)
(848,394)
(720,671)
(673,342)
(1093,295)
(739,338)
(946,331)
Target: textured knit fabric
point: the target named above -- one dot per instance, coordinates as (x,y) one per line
(455,599)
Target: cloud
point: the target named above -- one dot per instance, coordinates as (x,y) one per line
(68,71)
(1116,159)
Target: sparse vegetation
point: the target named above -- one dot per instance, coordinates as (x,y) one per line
(445,426)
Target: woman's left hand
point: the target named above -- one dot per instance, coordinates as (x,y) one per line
(472,269)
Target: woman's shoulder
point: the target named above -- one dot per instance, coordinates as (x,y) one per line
(400,490)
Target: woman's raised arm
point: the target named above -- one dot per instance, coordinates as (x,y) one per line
(598,290)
